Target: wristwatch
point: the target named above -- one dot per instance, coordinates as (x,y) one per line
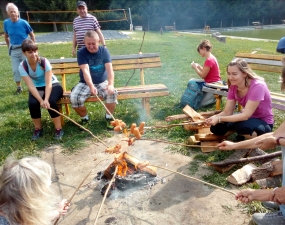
(278,140)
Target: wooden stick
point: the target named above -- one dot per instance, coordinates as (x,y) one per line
(105,107)
(79,186)
(175,125)
(193,178)
(105,195)
(249,159)
(80,127)
(173,143)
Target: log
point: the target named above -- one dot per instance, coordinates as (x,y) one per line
(268,169)
(184,116)
(236,155)
(192,141)
(209,137)
(242,175)
(256,152)
(246,160)
(270,182)
(204,130)
(209,143)
(196,117)
(195,126)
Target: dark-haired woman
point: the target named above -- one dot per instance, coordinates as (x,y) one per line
(44,88)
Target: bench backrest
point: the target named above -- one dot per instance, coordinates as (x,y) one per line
(67,66)
(263,62)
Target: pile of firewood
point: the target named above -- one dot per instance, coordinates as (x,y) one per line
(267,175)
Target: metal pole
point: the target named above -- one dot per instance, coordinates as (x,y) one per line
(131,25)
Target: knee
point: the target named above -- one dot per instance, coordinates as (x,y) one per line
(218,130)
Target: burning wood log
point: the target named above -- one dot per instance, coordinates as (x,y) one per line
(244,160)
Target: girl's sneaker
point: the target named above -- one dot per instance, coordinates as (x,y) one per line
(37,134)
(58,134)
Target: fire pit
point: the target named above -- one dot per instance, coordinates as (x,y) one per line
(132,174)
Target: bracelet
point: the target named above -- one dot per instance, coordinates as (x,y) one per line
(273,192)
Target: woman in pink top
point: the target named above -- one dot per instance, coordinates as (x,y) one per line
(252,93)
(210,72)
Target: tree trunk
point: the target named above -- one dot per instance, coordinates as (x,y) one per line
(270,182)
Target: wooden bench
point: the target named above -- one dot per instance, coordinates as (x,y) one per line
(257,25)
(169,27)
(263,62)
(144,91)
(278,100)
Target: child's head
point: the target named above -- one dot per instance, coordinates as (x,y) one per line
(205,44)
(29,45)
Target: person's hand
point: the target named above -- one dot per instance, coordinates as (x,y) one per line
(45,104)
(245,196)
(110,89)
(193,65)
(226,145)
(73,52)
(213,120)
(279,195)
(63,206)
(266,143)
(93,90)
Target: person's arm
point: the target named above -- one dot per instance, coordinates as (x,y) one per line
(201,71)
(48,81)
(74,44)
(279,195)
(248,195)
(101,37)
(87,77)
(7,39)
(111,77)
(32,36)
(32,88)
(228,111)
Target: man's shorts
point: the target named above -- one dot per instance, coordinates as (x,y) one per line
(81,92)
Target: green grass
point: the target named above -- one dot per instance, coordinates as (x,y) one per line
(176,52)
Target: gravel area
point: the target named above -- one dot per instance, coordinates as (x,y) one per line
(67,36)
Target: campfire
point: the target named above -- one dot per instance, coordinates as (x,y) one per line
(132,173)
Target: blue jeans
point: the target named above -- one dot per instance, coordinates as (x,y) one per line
(243,127)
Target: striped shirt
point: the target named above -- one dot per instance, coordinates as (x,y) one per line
(83,24)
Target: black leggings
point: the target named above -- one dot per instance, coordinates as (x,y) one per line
(243,127)
(35,107)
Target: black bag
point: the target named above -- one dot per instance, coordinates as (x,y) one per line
(193,95)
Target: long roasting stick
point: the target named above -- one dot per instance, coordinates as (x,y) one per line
(105,195)
(80,127)
(105,107)
(193,178)
(174,143)
(79,186)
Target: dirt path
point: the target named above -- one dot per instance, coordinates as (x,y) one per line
(177,200)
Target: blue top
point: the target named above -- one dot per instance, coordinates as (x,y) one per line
(3,221)
(96,62)
(281,43)
(38,76)
(17,31)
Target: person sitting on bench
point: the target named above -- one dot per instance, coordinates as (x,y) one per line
(281,46)
(252,93)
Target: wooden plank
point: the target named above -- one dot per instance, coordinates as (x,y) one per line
(133,61)
(192,141)
(204,130)
(136,66)
(263,62)
(267,68)
(196,117)
(215,91)
(209,137)
(259,56)
(209,143)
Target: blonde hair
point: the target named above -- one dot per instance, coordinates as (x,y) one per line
(25,193)
(11,5)
(244,68)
